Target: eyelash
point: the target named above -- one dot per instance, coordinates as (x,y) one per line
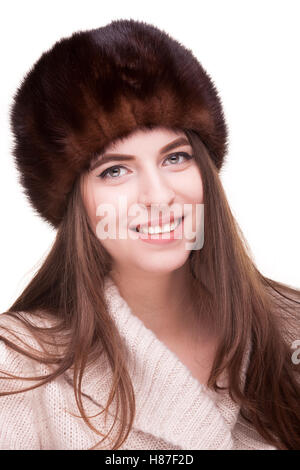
(103,175)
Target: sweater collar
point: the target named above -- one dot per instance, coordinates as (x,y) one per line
(170,403)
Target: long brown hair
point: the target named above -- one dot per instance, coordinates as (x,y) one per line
(227,287)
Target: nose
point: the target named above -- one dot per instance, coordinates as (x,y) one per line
(154,189)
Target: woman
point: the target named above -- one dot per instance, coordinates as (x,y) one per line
(177,343)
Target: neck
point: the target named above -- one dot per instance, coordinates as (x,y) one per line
(162,301)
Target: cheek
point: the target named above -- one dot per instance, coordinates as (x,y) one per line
(104,203)
(192,185)
(94,196)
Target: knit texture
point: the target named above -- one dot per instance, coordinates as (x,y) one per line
(173,410)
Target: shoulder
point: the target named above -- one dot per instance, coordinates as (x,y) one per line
(23,324)
(17,410)
(22,339)
(25,401)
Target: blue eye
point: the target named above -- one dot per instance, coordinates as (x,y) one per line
(186,155)
(105,173)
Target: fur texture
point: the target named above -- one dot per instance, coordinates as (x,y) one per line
(97,86)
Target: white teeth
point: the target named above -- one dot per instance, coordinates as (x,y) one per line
(158,229)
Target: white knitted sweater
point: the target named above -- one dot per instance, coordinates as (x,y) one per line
(173,410)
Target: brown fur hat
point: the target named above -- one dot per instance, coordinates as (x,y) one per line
(97,86)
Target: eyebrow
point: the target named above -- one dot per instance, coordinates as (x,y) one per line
(110,157)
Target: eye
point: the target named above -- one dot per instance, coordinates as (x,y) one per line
(187,156)
(105,173)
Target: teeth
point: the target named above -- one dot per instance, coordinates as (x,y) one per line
(154,230)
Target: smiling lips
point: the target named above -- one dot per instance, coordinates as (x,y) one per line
(156,223)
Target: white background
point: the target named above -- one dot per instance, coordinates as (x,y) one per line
(251,51)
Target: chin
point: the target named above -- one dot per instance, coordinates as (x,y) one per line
(162,265)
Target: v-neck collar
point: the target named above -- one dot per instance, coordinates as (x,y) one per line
(170,403)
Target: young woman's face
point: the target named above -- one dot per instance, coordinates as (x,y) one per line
(153,178)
